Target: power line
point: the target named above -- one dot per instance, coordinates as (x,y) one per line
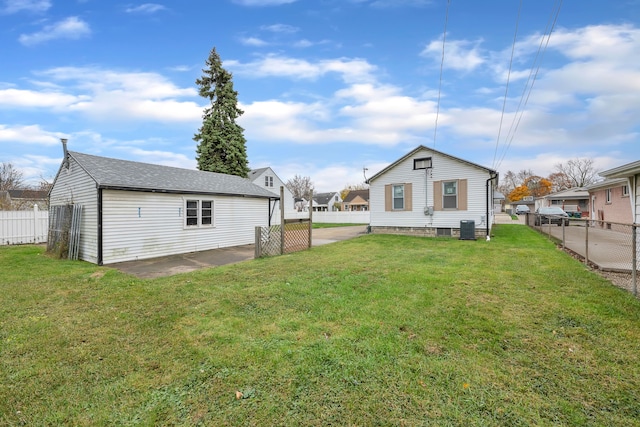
(506,90)
(532,78)
(444,39)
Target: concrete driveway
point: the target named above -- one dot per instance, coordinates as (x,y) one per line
(184,263)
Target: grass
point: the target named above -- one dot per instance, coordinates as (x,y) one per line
(379,330)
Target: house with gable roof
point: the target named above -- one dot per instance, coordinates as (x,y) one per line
(430,193)
(326,202)
(268,179)
(133,210)
(631,173)
(611,200)
(356,200)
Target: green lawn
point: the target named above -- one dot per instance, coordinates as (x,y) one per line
(379,330)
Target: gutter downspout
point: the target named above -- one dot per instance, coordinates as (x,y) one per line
(492,177)
(100,258)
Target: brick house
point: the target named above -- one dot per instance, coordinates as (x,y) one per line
(611,201)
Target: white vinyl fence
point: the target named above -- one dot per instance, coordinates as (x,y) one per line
(337,217)
(22,227)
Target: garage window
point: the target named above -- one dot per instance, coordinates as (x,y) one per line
(198,213)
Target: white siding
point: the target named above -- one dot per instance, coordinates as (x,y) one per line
(636,208)
(139,225)
(288,202)
(444,168)
(74,186)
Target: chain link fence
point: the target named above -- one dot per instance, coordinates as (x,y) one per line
(610,247)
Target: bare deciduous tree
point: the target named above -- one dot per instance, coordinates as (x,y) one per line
(300,187)
(580,171)
(10,177)
(560,181)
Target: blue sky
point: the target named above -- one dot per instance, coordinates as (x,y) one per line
(328,87)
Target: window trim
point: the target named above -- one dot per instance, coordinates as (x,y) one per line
(607,196)
(445,196)
(394,198)
(625,190)
(205,209)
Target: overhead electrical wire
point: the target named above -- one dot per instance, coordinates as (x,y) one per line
(506,90)
(528,88)
(444,39)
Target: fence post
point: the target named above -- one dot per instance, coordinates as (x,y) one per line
(563,235)
(282,221)
(634,256)
(36,223)
(258,246)
(586,240)
(310,217)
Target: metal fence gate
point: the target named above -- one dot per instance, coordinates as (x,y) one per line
(64,231)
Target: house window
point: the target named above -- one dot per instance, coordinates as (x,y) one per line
(199,213)
(607,193)
(398,197)
(450,195)
(268,181)
(625,190)
(423,163)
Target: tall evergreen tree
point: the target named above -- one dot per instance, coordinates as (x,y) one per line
(221,143)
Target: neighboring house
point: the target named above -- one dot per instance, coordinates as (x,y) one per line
(430,193)
(267,178)
(300,204)
(133,210)
(611,201)
(573,201)
(326,202)
(630,172)
(356,200)
(20,200)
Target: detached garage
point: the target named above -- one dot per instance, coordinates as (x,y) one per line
(133,210)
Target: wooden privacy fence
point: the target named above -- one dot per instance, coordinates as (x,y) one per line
(23,227)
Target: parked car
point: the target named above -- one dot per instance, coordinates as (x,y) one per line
(522,209)
(552,215)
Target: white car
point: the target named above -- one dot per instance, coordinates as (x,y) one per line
(522,209)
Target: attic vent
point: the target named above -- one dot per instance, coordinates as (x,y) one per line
(423,163)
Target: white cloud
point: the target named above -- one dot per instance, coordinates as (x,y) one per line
(253,41)
(18,98)
(14,6)
(304,43)
(29,134)
(280,28)
(462,55)
(145,8)
(71,28)
(109,96)
(157,157)
(280,66)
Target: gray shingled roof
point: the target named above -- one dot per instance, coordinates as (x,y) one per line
(125,174)
(255,172)
(323,198)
